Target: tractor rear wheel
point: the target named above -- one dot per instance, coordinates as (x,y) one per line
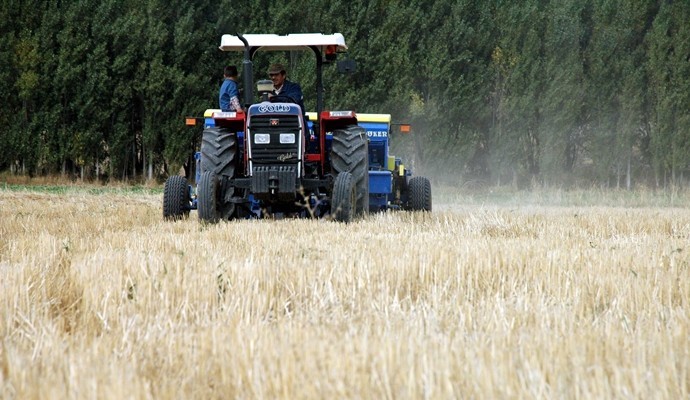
(419,194)
(219,151)
(208,197)
(219,155)
(350,153)
(176,198)
(344,198)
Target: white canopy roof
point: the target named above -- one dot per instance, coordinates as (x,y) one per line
(294,41)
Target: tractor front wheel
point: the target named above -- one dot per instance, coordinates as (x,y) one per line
(344,198)
(176,198)
(419,194)
(207,193)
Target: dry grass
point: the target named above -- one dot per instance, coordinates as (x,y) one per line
(102,299)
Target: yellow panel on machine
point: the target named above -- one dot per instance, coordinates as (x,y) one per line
(374,118)
(386,118)
(391,163)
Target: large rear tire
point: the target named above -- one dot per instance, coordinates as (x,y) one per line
(207,202)
(176,198)
(219,151)
(344,198)
(219,155)
(420,194)
(350,153)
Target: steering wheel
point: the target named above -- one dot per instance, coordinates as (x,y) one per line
(281,98)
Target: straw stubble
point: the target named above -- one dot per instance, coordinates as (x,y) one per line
(102,298)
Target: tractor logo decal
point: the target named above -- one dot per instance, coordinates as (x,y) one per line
(377,133)
(275,122)
(277,108)
(287,157)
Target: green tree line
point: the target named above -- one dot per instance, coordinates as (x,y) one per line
(533,92)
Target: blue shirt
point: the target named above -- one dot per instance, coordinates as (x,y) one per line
(294,92)
(227,91)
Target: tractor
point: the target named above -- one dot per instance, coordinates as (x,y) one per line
(266,161)
(277,160)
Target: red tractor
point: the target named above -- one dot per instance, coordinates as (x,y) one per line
(271,160)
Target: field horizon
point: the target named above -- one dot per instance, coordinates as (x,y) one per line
(542,294)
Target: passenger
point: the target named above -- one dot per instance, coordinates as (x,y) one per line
(229,97)
(283,87)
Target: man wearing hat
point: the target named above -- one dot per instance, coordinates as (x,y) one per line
(283,87)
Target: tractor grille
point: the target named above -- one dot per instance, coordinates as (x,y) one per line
(275,180)
(275,152)
(263,122)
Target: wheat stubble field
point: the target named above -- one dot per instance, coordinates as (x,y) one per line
(559,298)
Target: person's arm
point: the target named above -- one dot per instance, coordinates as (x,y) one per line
(234,97)
(294,91)
(235,104)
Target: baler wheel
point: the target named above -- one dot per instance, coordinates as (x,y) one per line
(420,194)
(176,198)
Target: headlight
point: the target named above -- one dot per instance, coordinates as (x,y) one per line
(287,138)
(262,138)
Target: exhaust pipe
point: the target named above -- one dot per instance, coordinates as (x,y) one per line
(247,74)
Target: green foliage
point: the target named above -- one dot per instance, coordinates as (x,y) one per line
(505,93)
(562,111)
(669,60)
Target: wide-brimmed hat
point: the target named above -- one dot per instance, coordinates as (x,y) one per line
(276,69)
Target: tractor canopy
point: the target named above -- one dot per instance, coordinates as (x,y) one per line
(325,48)
(294,41)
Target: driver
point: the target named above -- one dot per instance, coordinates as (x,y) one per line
(283,87)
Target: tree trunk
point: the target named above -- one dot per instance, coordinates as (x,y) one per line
(134,159)
(628,173)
